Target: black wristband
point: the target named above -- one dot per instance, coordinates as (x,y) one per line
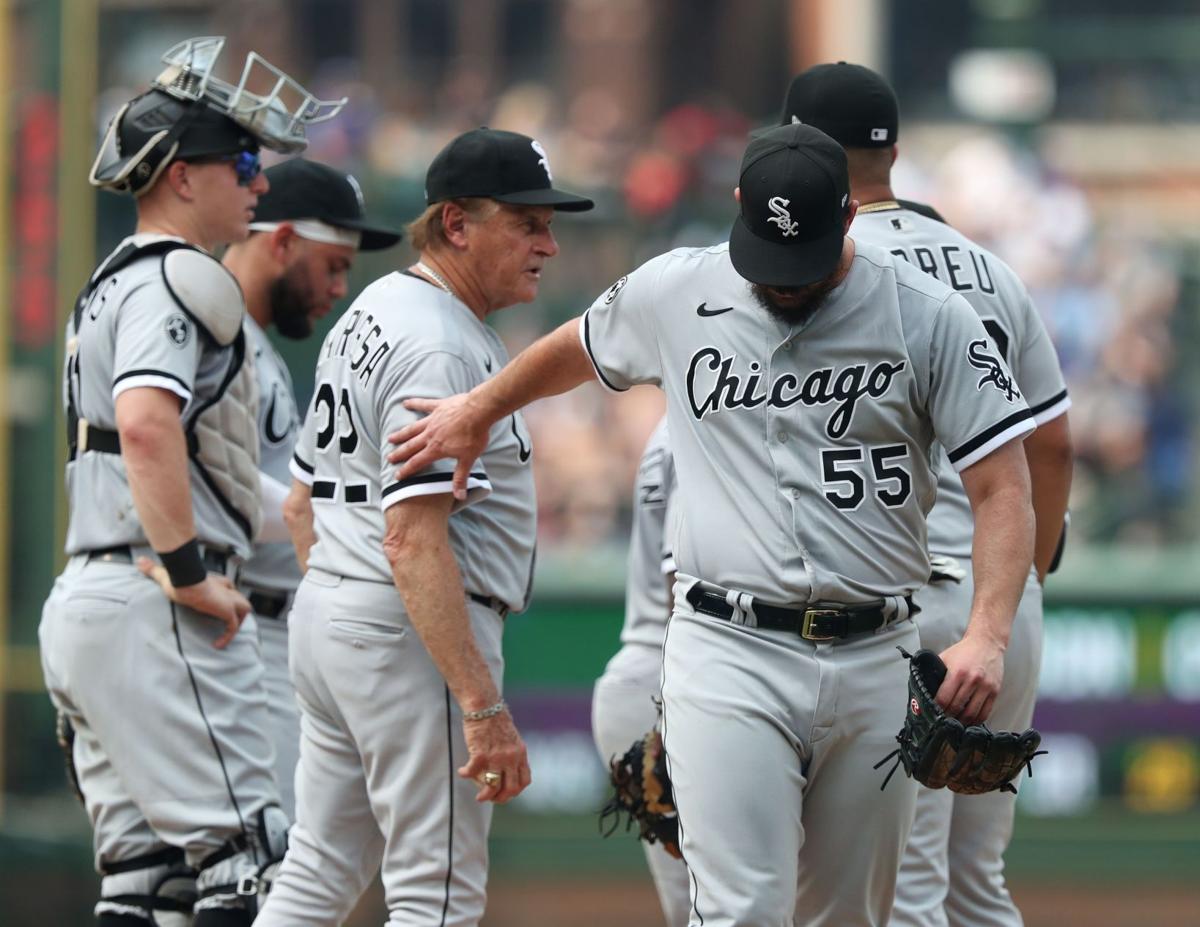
(184,565)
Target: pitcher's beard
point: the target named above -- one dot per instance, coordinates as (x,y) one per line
(794,305)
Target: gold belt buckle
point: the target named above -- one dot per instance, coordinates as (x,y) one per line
(815,614)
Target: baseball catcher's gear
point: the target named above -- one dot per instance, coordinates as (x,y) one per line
(643,792)
(189,114)
(938,750)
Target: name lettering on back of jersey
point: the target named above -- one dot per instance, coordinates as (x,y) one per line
(100,297)
(726,390)
(962,271)
(982,359)
(650,489)
(359,340)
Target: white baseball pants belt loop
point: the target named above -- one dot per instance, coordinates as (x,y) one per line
(215,561)
(742,605)
(821,622)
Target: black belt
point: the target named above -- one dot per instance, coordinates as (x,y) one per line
(490,601)
(268,604)
(817,623)
(215,561)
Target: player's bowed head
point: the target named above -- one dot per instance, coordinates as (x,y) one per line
(794,210)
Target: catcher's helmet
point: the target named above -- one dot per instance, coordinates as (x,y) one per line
(189,113)
(154,129)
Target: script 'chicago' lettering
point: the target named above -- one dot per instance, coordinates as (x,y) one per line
(845,386)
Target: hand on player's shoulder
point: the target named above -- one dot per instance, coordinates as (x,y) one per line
(455,428)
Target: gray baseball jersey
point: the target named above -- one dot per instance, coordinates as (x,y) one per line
(132,333)
(805,455)
(650,557)
(273,565)
(1012,322)
(403,339)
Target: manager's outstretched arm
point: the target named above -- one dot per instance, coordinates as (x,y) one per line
(457,427)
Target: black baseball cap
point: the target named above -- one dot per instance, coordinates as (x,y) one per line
(795,195)
(504,166)
(303,189)
(848,102)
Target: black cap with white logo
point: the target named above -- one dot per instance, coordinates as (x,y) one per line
(851,104)
(504,166)
(795,196)
(303,189)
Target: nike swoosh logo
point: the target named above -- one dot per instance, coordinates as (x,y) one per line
(702,310)
(488,365)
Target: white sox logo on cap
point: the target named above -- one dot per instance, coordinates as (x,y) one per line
(358,194)
(782,218)
(544,161)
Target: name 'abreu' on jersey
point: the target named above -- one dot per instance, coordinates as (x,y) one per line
(1012,323)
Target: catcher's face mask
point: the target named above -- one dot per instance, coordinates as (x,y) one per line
(190,114)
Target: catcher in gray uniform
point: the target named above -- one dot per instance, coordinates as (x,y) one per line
(857,108)
(307,229)
(164,695)
(625,697)
(396,627)
(807,380)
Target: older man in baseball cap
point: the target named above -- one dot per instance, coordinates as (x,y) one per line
(397,624)
(306,232)
(807,381)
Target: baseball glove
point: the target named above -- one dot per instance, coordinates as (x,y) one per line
(938,751)
(643,792)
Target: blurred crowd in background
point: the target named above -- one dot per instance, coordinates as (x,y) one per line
(1118,295)
(1111,295)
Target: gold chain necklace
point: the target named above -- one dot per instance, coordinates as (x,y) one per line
(437,278)
(881,206)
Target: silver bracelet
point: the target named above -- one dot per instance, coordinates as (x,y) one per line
(484,713)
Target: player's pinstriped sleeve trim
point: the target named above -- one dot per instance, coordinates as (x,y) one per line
(1051,409)
(161,379)
(301,470)
(1009,427)
(586,338)
(431,484)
